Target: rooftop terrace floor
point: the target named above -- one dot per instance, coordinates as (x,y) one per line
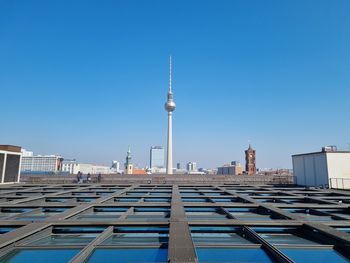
(173,222)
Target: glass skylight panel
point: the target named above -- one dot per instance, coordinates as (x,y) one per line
(58,199)
(65,239)
(208,235)
(136,193)
(310,214)
(13,211)
(129,255)
(344,213)
(150,213)
(102,213)
(229,255)
(6,229)
(194,200)
(85,199)
(157,200)
(155,236)
(127,199)
(284,236)
(243,213)
(40,255)
(344,229)
(314,255)
(205,213)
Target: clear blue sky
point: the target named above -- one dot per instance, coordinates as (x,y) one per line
(85,79)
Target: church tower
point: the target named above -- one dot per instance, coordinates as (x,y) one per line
(129,168)
(250,165)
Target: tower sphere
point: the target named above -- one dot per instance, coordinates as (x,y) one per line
(170,106)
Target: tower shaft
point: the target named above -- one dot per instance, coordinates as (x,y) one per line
(169,166)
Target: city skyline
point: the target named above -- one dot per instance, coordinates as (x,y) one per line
(273,73)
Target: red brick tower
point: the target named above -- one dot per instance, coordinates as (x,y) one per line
(250,165)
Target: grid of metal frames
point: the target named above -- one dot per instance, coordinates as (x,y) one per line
(173,223)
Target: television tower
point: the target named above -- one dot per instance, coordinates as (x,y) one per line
(170,107)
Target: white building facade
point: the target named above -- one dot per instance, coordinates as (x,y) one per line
(41,163)
(73,167)
(325,168)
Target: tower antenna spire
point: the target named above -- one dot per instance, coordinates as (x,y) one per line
(170,73)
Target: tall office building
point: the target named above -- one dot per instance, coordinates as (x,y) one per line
(156,157)
(170,107)
(250,165)
(178,166)
(191,167)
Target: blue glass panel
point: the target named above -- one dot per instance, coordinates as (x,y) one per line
(73,230)
(86,199)
(161,200)
(344,229)
(15,210)
(78,239)
(54,209)
(232,255)
(240,209)
(137,238)
(39,255)
(126,200)
(152,209)
(142,229)
(129,255)
(31,218)
(58,200)
(201,209)
(110,209)
(5,229)
(227,200)
(187,199)
(216,229)
(314,255)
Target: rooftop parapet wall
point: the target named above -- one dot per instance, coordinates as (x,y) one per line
(168,179)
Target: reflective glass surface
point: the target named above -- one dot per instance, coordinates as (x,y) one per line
(39,255)
(81,239)
(322,255)
(232,255)
(141,255)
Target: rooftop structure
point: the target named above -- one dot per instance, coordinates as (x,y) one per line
(201,222)
(327,168)
(10,163)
